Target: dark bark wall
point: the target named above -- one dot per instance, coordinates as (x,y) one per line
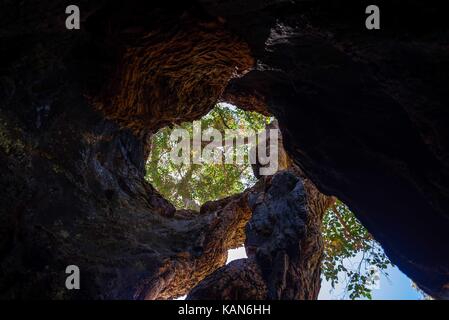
(364,114)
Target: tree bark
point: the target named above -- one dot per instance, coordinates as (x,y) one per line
(283,244)
(363,114)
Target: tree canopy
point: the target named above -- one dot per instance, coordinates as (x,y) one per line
(189,186)
(350,251)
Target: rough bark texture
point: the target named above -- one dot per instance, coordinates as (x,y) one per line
(91,207)
(283,244)
(283,238)
(364,114)
(191,62)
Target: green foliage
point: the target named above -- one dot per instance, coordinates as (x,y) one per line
(346,241)
(189,186)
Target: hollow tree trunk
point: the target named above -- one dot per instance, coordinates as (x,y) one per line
(364,115)
(72,180)
(96,211)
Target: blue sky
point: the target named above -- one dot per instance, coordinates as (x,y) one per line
(396,287)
